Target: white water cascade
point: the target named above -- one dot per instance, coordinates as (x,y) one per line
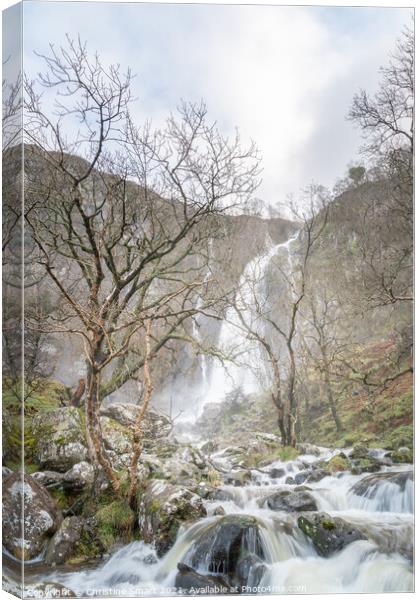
(382,562)
(244,371)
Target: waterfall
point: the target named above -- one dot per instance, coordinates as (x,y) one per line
(202,358)
(245,370)
(291,564)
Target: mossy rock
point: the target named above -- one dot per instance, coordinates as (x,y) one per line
(359,451)
(338,463)
(59,438)
(163,508)
(402,455)
(329,534)
(365,465)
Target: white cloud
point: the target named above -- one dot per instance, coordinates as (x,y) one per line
(284,75)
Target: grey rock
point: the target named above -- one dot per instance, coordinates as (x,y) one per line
(80,477)
(191,582)
(219,511)
(48,478)
(304,448)
(163,508)
(60,439)
(316,475)
(277,472)
(155,426)
(301,477)
(221,547)
(329,534)
(288,501)
(42,517)
(63,543)
(371,483)
(250,570)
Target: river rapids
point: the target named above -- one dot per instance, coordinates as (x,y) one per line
(380,563)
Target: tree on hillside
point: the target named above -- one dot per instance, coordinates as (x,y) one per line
(326,340)
(387,123)
(387,118)
(268,308)
(120,217)
(357,174)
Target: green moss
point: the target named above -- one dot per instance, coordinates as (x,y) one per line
(338,463)
(287,453)
(63,501)
(213,477)
(88,547)
(402,456)
(115,523)
(328,524)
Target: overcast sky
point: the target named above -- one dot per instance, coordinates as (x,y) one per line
(285,76)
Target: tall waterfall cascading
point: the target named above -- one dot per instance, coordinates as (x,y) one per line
(245,370)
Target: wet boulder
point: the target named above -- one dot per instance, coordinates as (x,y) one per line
(301,476)
(288,501)
(276,472)
(222,546)
(329,534)
(189,581)
(204,490)
(42,516)
(221,495)
(250,571)
(302,488)
(64,541)
(370,484)
(219,511)
(365,465)
(238,478)
(163,508)
(316,475)
(60,440)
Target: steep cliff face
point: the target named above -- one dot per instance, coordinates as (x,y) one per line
(238,239)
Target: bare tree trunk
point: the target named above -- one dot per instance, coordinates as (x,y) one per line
(331,402)
(93,424)
(291,401)
(137,433)
(276,396)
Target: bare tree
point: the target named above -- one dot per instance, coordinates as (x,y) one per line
(387,122)
(387,118)
(121,215)
(326,340)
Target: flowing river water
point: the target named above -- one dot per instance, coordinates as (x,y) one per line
(380,563)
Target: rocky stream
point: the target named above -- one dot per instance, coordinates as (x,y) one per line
(327,521)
